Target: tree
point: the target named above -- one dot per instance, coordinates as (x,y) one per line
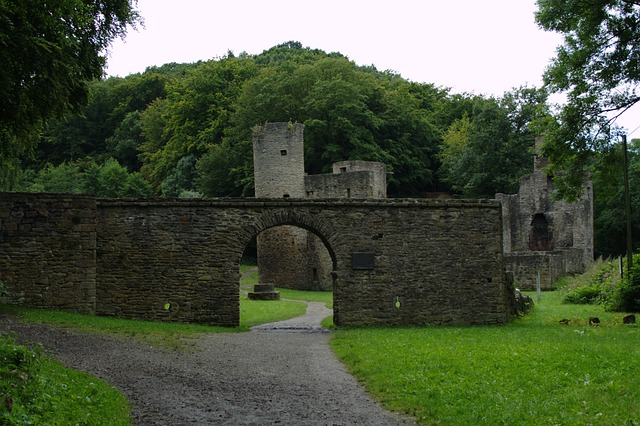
(349,113)
(48,53)
(490,149)
(608,190)
(598,68)
(193,117)
(106,180)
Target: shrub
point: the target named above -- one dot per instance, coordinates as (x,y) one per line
(626,296)
(584,295)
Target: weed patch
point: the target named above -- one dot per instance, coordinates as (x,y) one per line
(36,390)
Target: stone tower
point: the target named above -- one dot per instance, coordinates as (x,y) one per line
(544,236)
(278,160)
(278,163)
(288,256)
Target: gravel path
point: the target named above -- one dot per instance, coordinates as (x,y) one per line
(278,374)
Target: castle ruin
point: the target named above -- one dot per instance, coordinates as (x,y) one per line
(288,256)
(544,237)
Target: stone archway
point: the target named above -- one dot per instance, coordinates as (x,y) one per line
(307,229)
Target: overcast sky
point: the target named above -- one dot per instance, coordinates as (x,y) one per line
(483,47)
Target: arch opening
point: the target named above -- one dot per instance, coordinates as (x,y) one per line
(540,234)
(287,256)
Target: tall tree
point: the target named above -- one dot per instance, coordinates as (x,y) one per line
(349,113)
(48,53)
(608,190)
(193,117)
(598,68)
(490,149)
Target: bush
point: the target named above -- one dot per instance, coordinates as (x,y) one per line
(602,284)
(626,297)
(19,367)
(36,390)
(584,295)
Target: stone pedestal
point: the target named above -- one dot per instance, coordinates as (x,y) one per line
(264,292)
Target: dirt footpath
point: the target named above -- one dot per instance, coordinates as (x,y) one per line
(278,374)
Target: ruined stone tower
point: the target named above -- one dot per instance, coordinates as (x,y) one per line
(288,256)
(278,160)
(543,236)
(278,164)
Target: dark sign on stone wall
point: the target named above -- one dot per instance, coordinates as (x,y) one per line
(362,261)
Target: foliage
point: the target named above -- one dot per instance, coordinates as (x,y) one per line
(349,113)
(195,115)
(584,295)
(539,372)
(489,148)
(165,120)
(597,68)
(110,125)
(626,298)
(181,179)
(37,390)
(602,284)
(107,180)
(49,53)
(608,189)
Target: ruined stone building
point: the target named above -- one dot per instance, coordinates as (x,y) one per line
(540,235)
(288,256)
(543,236)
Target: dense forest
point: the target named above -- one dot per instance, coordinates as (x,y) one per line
(184,130)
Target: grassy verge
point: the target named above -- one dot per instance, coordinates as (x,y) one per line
(165,334)
(35,390)
(255,312)
(535,371)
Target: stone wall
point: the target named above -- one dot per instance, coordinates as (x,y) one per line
(542,235)
(48,251)
(377,172)
(350,179)
(405,262)
(295,258)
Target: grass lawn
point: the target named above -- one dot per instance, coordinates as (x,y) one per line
(534,371)
(250,278)
(166,334)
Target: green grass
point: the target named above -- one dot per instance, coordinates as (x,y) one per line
(325,297)
(255,312)
(37,390)
(165,334)
(535,371)
(250,278)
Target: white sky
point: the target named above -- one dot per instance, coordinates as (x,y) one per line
(483,47)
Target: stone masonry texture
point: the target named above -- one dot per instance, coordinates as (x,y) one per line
(430,261)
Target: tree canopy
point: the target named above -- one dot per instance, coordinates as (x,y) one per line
(49,51)
(490,147)
(598,68)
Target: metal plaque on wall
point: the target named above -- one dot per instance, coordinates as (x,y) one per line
(362,261)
